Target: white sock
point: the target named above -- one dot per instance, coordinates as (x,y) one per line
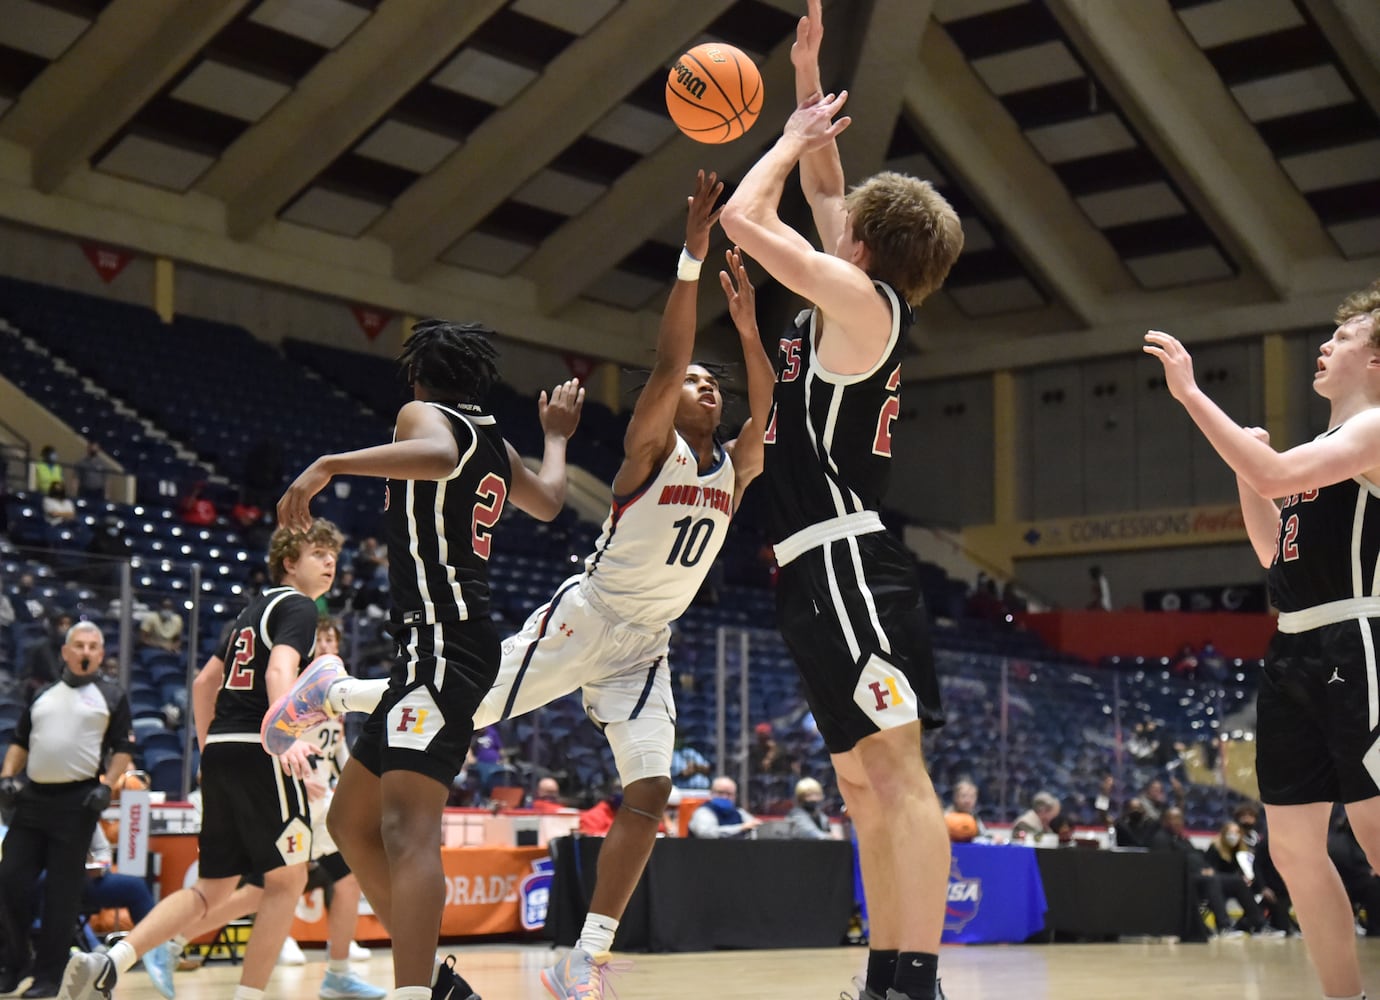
(350,694)
(340,966)
(123,956)
(243,992)
(597,933)
(411,993)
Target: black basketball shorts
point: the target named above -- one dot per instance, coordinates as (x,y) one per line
(1318,726)
(852,616)
(426,717)
(255,817)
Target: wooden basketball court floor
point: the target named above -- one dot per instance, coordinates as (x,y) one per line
(1239,970)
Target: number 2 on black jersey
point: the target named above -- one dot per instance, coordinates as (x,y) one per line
(241,678)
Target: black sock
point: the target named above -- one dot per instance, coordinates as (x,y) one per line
(881,970)
(915,972)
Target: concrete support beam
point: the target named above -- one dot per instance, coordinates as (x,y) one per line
(1175,99)
(572,93)
(398,47)
(109,73)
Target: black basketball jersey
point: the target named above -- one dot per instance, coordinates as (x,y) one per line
(1327,546)
(280,615)
(439,531)
(828,442)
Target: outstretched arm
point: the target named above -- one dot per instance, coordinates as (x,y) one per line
(423,447)
(542,493)
(841,288)
(649,437)
(821,170)
(747,449)
(1352,450)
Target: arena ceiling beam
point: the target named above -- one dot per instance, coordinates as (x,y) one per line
(956,112)
(108,74)
(572,94)
(338,101)
(1176,100)
(1353,31)
(611,228)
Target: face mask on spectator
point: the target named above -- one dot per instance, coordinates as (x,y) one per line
(1231,839)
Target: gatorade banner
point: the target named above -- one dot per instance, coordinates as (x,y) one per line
(489,890)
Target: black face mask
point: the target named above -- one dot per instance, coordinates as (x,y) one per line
(811,806)
(73,679)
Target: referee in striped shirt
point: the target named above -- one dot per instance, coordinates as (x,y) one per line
(74,729)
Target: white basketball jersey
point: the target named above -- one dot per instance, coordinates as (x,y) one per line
(659,543)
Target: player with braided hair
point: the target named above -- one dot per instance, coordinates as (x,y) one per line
(449,474)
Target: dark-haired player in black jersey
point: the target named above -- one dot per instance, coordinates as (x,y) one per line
(848,599)
(255,814)
(449,473)
(1313,517)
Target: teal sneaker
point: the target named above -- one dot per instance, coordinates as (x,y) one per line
(159,964)
(342,985)
(304,706)
(581,975)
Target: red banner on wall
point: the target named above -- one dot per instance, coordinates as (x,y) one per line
(108,261)
(580,366)
(371,320)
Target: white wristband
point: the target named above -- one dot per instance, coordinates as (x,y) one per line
(688,268)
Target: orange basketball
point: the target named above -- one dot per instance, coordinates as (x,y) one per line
(962,827)
(714,93)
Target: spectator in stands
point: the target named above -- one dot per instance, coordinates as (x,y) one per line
(1154,798)
(1224,856)
(1038,819)
(47,470)
(1361,882)
(689,768)
(1101,597)
(43,662)
(965,800)
(58,508)
(984,603)
(597,820)
(548,796)
(91,474)
(28,602)
(7,615)
(1211,888)
(107,889)
(1135,828)
(162,629)
(1185,663)
(341,598)
(1013,602)
(196,508)
(371,560)
(768,756)
(1104,806)
(1265,880)
(1212,663)
(256,579)
(487,751)
(807,820)
(720,818)
(74,731)
(1063,827)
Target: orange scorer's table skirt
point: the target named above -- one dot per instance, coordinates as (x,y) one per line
(489,890)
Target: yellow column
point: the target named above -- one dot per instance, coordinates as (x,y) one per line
(1276,395)
(1003,447)
(163,297)
(609,386)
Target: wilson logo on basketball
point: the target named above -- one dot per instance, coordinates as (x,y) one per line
(686,78)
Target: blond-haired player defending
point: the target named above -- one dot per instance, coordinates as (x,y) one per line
(848,599)
(1313,517)
(255,817)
